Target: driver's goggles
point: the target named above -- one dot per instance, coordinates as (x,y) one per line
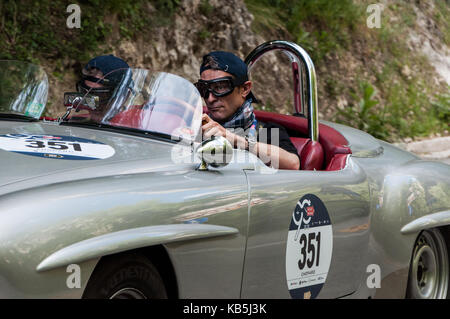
(218,87)
(104,93)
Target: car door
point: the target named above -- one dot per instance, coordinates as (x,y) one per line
(219,197)
(308,233)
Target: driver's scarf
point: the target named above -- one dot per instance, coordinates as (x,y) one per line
(242,118)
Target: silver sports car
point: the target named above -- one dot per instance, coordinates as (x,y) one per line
(124,200)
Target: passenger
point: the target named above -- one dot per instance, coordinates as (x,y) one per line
(226,89)
(100,77)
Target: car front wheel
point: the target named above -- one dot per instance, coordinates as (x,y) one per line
(429,269)
(130,276)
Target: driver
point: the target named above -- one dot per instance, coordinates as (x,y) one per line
(100,77)
(225,87)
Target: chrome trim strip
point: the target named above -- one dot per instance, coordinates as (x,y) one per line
(369,153)
(130,239)
(427,222)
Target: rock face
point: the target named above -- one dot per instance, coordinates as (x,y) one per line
(197,27)
(178,48)
(424,37)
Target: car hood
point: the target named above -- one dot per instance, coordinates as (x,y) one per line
(23,158)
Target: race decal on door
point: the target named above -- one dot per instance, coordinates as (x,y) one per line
(55,146)
(309,248)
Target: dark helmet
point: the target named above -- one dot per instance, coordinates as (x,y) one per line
(113,70)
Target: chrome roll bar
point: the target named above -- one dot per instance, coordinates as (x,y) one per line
(297,55)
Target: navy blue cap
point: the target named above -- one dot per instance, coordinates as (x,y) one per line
(107,64)
(227,62)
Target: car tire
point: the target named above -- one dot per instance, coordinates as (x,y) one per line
(429,268)
(130,276)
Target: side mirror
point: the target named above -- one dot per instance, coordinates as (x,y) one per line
(76,100)
(79,101)
(216,151)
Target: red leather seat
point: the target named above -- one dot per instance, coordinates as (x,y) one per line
(316,155)
(311,153)
(299,143)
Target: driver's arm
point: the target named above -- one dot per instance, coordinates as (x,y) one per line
(270,154)
(276,156)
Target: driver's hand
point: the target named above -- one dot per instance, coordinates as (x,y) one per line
(211,127)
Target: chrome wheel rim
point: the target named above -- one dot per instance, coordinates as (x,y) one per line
(430,266)
(128,293)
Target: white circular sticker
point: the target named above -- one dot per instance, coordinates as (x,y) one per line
(55,146)
(309,248)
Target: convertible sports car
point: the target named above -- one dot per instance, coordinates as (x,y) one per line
(123,200)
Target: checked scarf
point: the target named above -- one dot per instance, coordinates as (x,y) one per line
(242,118)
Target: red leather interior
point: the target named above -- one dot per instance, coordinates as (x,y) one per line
(129,118)
(311,153)
(47,118)
(299,143)
(337,162)
(156,121)
(332,142)
(311,157)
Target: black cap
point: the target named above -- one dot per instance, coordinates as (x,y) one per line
(107,64)
(227,62)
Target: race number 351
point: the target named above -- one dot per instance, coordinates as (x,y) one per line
(53,145)
(309,250)
(309,247)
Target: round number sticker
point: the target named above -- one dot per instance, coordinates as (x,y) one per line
(55,146)
(309,248)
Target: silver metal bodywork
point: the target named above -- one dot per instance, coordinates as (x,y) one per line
(225,230)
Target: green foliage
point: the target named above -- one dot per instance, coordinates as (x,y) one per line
(413,106)
(27,35)
(442,15)
(441,107)
(204,34)
(407,112)
(167,6)
(363,115)
(31,30)
(321,26)
(205,8)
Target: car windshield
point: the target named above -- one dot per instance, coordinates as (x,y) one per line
(23,89)
(139,99)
